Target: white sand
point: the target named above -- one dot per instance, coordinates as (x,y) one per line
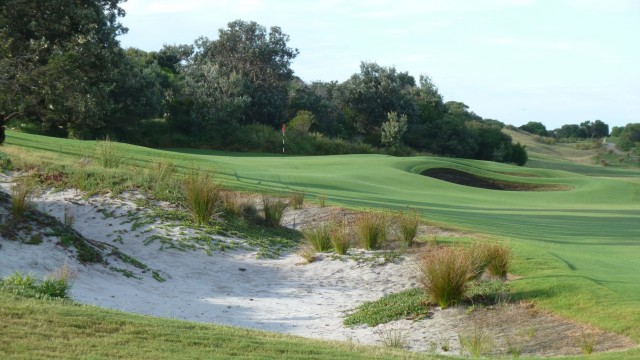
(275,295)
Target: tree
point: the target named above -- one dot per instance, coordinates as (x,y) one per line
(369,96)
(600,129)
(393,130)
(261,59)
(536,128)
(55,61)
(570,131)
(302,122)
(630,136)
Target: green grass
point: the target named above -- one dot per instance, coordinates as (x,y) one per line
(576,250)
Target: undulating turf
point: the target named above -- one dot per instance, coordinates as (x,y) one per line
(577,250)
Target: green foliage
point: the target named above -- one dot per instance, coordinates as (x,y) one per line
(393,130)
(446,273)
(202,196)
(29,286)
(273,209)
(5,162)
(630,136)
(372,227)
(534,127)
(302,122)
(411,304)
(319,236)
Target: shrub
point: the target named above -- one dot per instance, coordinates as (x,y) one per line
(21,194)
(340,238)
(446,272)
(408,222)
(109,153)
(273,209)
(319,236)
(372,230)
(296,199)
(201,197)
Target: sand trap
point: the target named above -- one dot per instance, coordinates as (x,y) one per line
(232,287)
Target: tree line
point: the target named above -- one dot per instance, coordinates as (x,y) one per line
(63,69)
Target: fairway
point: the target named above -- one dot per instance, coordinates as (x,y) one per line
(577,249)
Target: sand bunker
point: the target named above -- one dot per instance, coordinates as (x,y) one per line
(467,179)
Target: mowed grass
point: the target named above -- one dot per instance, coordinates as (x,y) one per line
(577,250)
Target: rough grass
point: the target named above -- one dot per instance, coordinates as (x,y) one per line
(109,153)
(21,193)
(273,209)
(319,236)
(372,227)
(341,237)
(296,199)
(446,273)
(407,223)
(202,197)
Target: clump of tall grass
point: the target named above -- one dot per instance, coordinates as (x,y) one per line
(161,170)
(393,338)
(493,257)
(308,253)
(319,236)
(340,237)
(477,342)
(322,198)
(234,205)
(21,194)
(296,199)
(372,229)
(202,196)
(446,272)
(407,223)
(273,209)
(109,153)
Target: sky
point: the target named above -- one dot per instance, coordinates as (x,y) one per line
(552,61)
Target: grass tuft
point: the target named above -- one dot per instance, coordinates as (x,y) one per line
(499,260)
(202,197)
(296,199)
(319,236)
(273,209)
(340,238)
(109,153)
(476,342)
(393,338)
(372,230)
(21,194)
(446,272)
(407,222)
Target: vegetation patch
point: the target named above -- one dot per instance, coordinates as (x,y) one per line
(467,179)
(410,304)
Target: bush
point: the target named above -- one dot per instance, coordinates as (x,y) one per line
(273,209)
(407,223)
(319,236)
(446,273)
(372,230)
(202,197)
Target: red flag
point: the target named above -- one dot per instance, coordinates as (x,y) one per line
(284,127)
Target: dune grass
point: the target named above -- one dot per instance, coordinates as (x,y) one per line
(576,251)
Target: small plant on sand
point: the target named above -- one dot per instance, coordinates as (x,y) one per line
(587,342)
(477,342)
(308,253)
(296,199)
(109,153)
(322,198)
(393,338)
(372,229)
(319,236)
(201,196)
(446,273)
(51,287)
(407,222)
(21,194)
(340,238)
(273,209)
